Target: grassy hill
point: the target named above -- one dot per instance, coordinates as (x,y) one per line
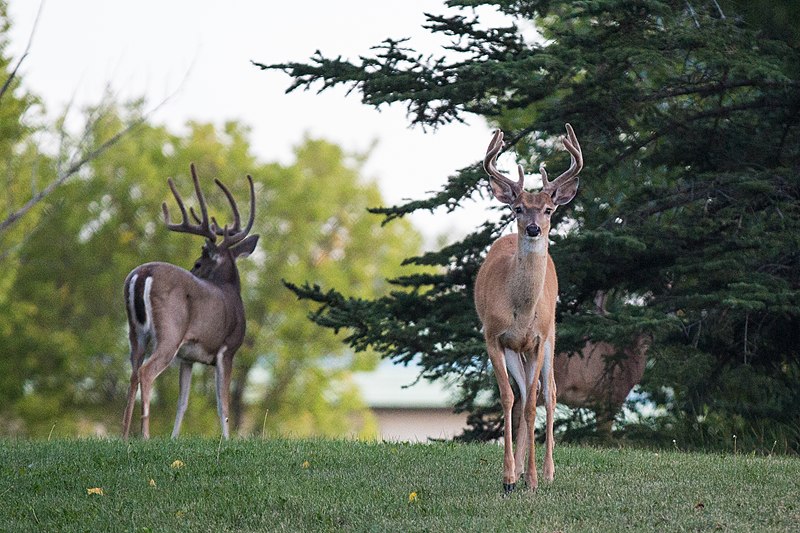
(288,485)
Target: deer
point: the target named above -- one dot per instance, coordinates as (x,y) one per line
(515,297)
(195,316)
(600,377)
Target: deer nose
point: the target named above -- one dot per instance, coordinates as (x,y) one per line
(533,230)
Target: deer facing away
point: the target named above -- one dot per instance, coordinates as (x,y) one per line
(515,297)
(196,316)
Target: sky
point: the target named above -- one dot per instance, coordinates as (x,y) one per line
(203,50)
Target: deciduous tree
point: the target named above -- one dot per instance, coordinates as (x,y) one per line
(65,347)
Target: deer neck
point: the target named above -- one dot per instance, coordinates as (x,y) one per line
(226,277)
(527,278)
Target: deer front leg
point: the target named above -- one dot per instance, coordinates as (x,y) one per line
(549,382)
(496,353)
(185,383)
(519,373)
(223,380)
(531,475)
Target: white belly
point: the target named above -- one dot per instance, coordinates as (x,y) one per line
(195,353)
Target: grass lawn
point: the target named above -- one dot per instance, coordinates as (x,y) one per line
(292,485)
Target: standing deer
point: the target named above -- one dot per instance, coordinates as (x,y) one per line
(515,296)
(600,377)
(196,316)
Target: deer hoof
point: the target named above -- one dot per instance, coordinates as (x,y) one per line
(508,488)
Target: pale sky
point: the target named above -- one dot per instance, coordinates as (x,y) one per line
(147,47)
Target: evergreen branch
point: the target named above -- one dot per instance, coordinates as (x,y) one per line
(458,187)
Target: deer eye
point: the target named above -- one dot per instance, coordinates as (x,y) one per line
(197,265)
(548,211)
(518,210)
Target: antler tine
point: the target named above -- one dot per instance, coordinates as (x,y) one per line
(490,163)
(234,207)
(164,208)
(543,172)
(521,180)
(195,217)
(200,198)
(576,162)
(252,218)
(202,228)
(234,234)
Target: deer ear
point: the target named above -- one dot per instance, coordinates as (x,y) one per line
(565,193)
(245,248)
(502,191)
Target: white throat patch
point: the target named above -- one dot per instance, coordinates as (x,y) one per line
(535,246)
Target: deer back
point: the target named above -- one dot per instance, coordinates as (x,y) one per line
(598,376)
(166,301)
(203,308)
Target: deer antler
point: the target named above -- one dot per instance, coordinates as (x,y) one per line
(231,236)
(490,164)
(202,227)
(576,163)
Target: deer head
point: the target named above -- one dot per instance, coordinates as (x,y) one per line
(533,210)
(217,262)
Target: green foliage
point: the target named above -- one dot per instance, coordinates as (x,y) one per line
(317,228)
(63,340)
(687,215)
(301,485)
(62,321)
(63,329)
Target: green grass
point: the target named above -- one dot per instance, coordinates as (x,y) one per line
(254,485)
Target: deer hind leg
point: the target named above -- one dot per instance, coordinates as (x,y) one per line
(549,389)
(185,382)
(223,383)
(162,356)
(496,356)
(138,345)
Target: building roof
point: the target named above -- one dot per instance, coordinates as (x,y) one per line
(392,385)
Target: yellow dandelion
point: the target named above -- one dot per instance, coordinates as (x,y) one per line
(305,464)
(412,497)
(176,464)
(152,482)
(95,490)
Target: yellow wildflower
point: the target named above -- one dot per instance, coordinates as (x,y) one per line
(176,464)
(305,464)
(412,497)
(95,490)
(152,482)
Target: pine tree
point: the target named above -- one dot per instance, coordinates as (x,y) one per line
(687,217)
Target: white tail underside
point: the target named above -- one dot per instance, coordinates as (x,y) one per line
(146,329)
